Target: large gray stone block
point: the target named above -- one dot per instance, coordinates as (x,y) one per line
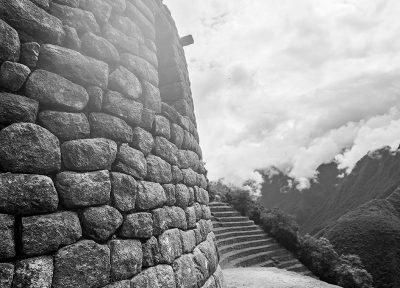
(126,258)
(25,16)
(124,191)
(140,67)
(47,233)
(128,27)
(7,241)
(120,40)
(137,225)
(16,108)
(160,276)
(55,91)
(85,264)
(165,150)
(131,161)
(88,154)
(100,9)
(116,104)
(34,273)
(13,75)
(170,246)
(107,126)
(150,196)
(29,148)
(142,140)
(161,127)
(151,252)
(24,194)
(6,275)
(73,66)
(125,82)
(100,223)
(78,190)
(66,126)
(185,272)
(10,45)
(158,170)
(99,48)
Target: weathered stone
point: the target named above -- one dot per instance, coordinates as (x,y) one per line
(198,210)
(177,175)
(201,196)
(176,217)
(131,161)
(125,82)
(189,177)
(6,275)
(88,154)
(170,193)
(160,276)
(185,272)
(71,3)
(219,278)
(84,264)
(116,104)
(208,249)
(34,273)
(187,159)
(30,54)
(161,127)
(182,196)
(160,220)
(7,244)
(72,40)
(126,258)
(151,252)
(99,48)
(47,233)
(100,9)
(145,10)
(124,190)
(169,112)
(95,98)
(53,90)
(148,117)
(151,97)
(170,246)
(137,225)
(25,16)
(10,45)
(206,212)
(118,6)
(106,126)
(201,266)
(83,189)
(148,54)
(151,196)
(204,228)
(83,21)
(16,108)
(210,283)
(66,126)
(140,67)
(142,140)
(42,3)
(120,40)
(165,150)
(202,181)
(13,75)
(188,239)
(24,194)
(29,148)
(99,223)
(158,170)
(123,283)
(146,26)
(128,27)
(73,66)
(191,217)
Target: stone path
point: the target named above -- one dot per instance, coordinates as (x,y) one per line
(258,277)
(241,243)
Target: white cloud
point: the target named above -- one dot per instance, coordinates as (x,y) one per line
(285,82)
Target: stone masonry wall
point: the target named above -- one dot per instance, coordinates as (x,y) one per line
(102,182)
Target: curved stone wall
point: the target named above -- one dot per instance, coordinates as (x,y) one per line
(102,182)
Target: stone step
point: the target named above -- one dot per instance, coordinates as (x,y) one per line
(249,257)
(225,214)
(222,229)
(235,224)
(232,219)
(249,244)
(221,209)
(244,238)
(212,204)
(222,235)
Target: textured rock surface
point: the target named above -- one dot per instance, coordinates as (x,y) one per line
(53,90)
(34,273)
(107,126)
(125,82)
(151,195)
(137,225)
(7,245)
(30,54)
(6,274)
(88,154)
(83,189)
(10,45)
(47,233)
(13,75)
(126,258)
(99,48)
(84,264)
(29,148)
(158,170)
(16,108)
(124,190)
(24,194)
(131,161)
(116,104)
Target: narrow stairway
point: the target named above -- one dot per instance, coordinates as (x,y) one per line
(242,243)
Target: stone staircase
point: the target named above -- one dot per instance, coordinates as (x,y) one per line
(242,243)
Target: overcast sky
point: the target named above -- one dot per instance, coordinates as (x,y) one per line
(291,83)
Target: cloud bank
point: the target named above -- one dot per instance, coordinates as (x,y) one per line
(292,84)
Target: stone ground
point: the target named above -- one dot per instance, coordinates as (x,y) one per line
(269,278)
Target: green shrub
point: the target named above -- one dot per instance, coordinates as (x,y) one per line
(350,273)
